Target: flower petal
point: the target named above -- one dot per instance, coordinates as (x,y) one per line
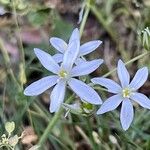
(58,57)
(123,74)
(57,96)
(110,104)
(84,91)
(71,55)
(89,47)
(40,86)
(141,99)
(79,61)
(139,78)
(127,113)
(58,44)
(86,67)
(47,61)
(75,35)
(112,86)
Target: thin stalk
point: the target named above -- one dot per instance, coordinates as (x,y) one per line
(37,114)
(30,117)
(52,123)
(7,62)
(41,112)
(86,138)
(87,10)
(128,62)
(94,145)
(3,102)
(22,69)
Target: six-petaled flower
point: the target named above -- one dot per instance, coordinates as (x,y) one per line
(126,93)
(64,75)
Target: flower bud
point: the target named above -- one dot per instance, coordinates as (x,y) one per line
(10,126)
(145,38)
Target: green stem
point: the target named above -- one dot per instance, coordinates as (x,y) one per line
(128,62)
(81,132)
(7,62)
(94,145)
(22,66)
(52,123)
(87,10)
(40,110)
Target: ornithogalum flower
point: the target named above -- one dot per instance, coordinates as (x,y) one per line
(125,94)
(61,46)
(64,75)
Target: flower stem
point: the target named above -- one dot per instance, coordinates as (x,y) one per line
(87,10)
(128,62)
(7,62)
(52,123)
(22,55)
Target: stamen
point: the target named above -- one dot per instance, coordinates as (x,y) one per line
(126,93)
(63,74)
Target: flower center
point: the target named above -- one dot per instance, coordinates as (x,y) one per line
(126,93)
(63,74)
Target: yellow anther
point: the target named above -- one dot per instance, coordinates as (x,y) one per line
(126,93)
(63,74)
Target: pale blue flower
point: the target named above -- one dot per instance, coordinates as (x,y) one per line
(126,93)
(61,46)
(64,75)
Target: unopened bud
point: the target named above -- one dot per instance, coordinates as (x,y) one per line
(145,38)
(10,126)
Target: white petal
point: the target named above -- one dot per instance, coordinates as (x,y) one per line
(141,99)
(89,47)
(79,61)
(127,113)
(86,67)
(40,86)
(110,104)
(75,35)
(139,78)
(123,74)
(84,91)
(47,61)
(58,44)
(112,86)
(70,55)
(57,96)
(58,57)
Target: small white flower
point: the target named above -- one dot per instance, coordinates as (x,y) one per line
(64,75)
(124,93)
